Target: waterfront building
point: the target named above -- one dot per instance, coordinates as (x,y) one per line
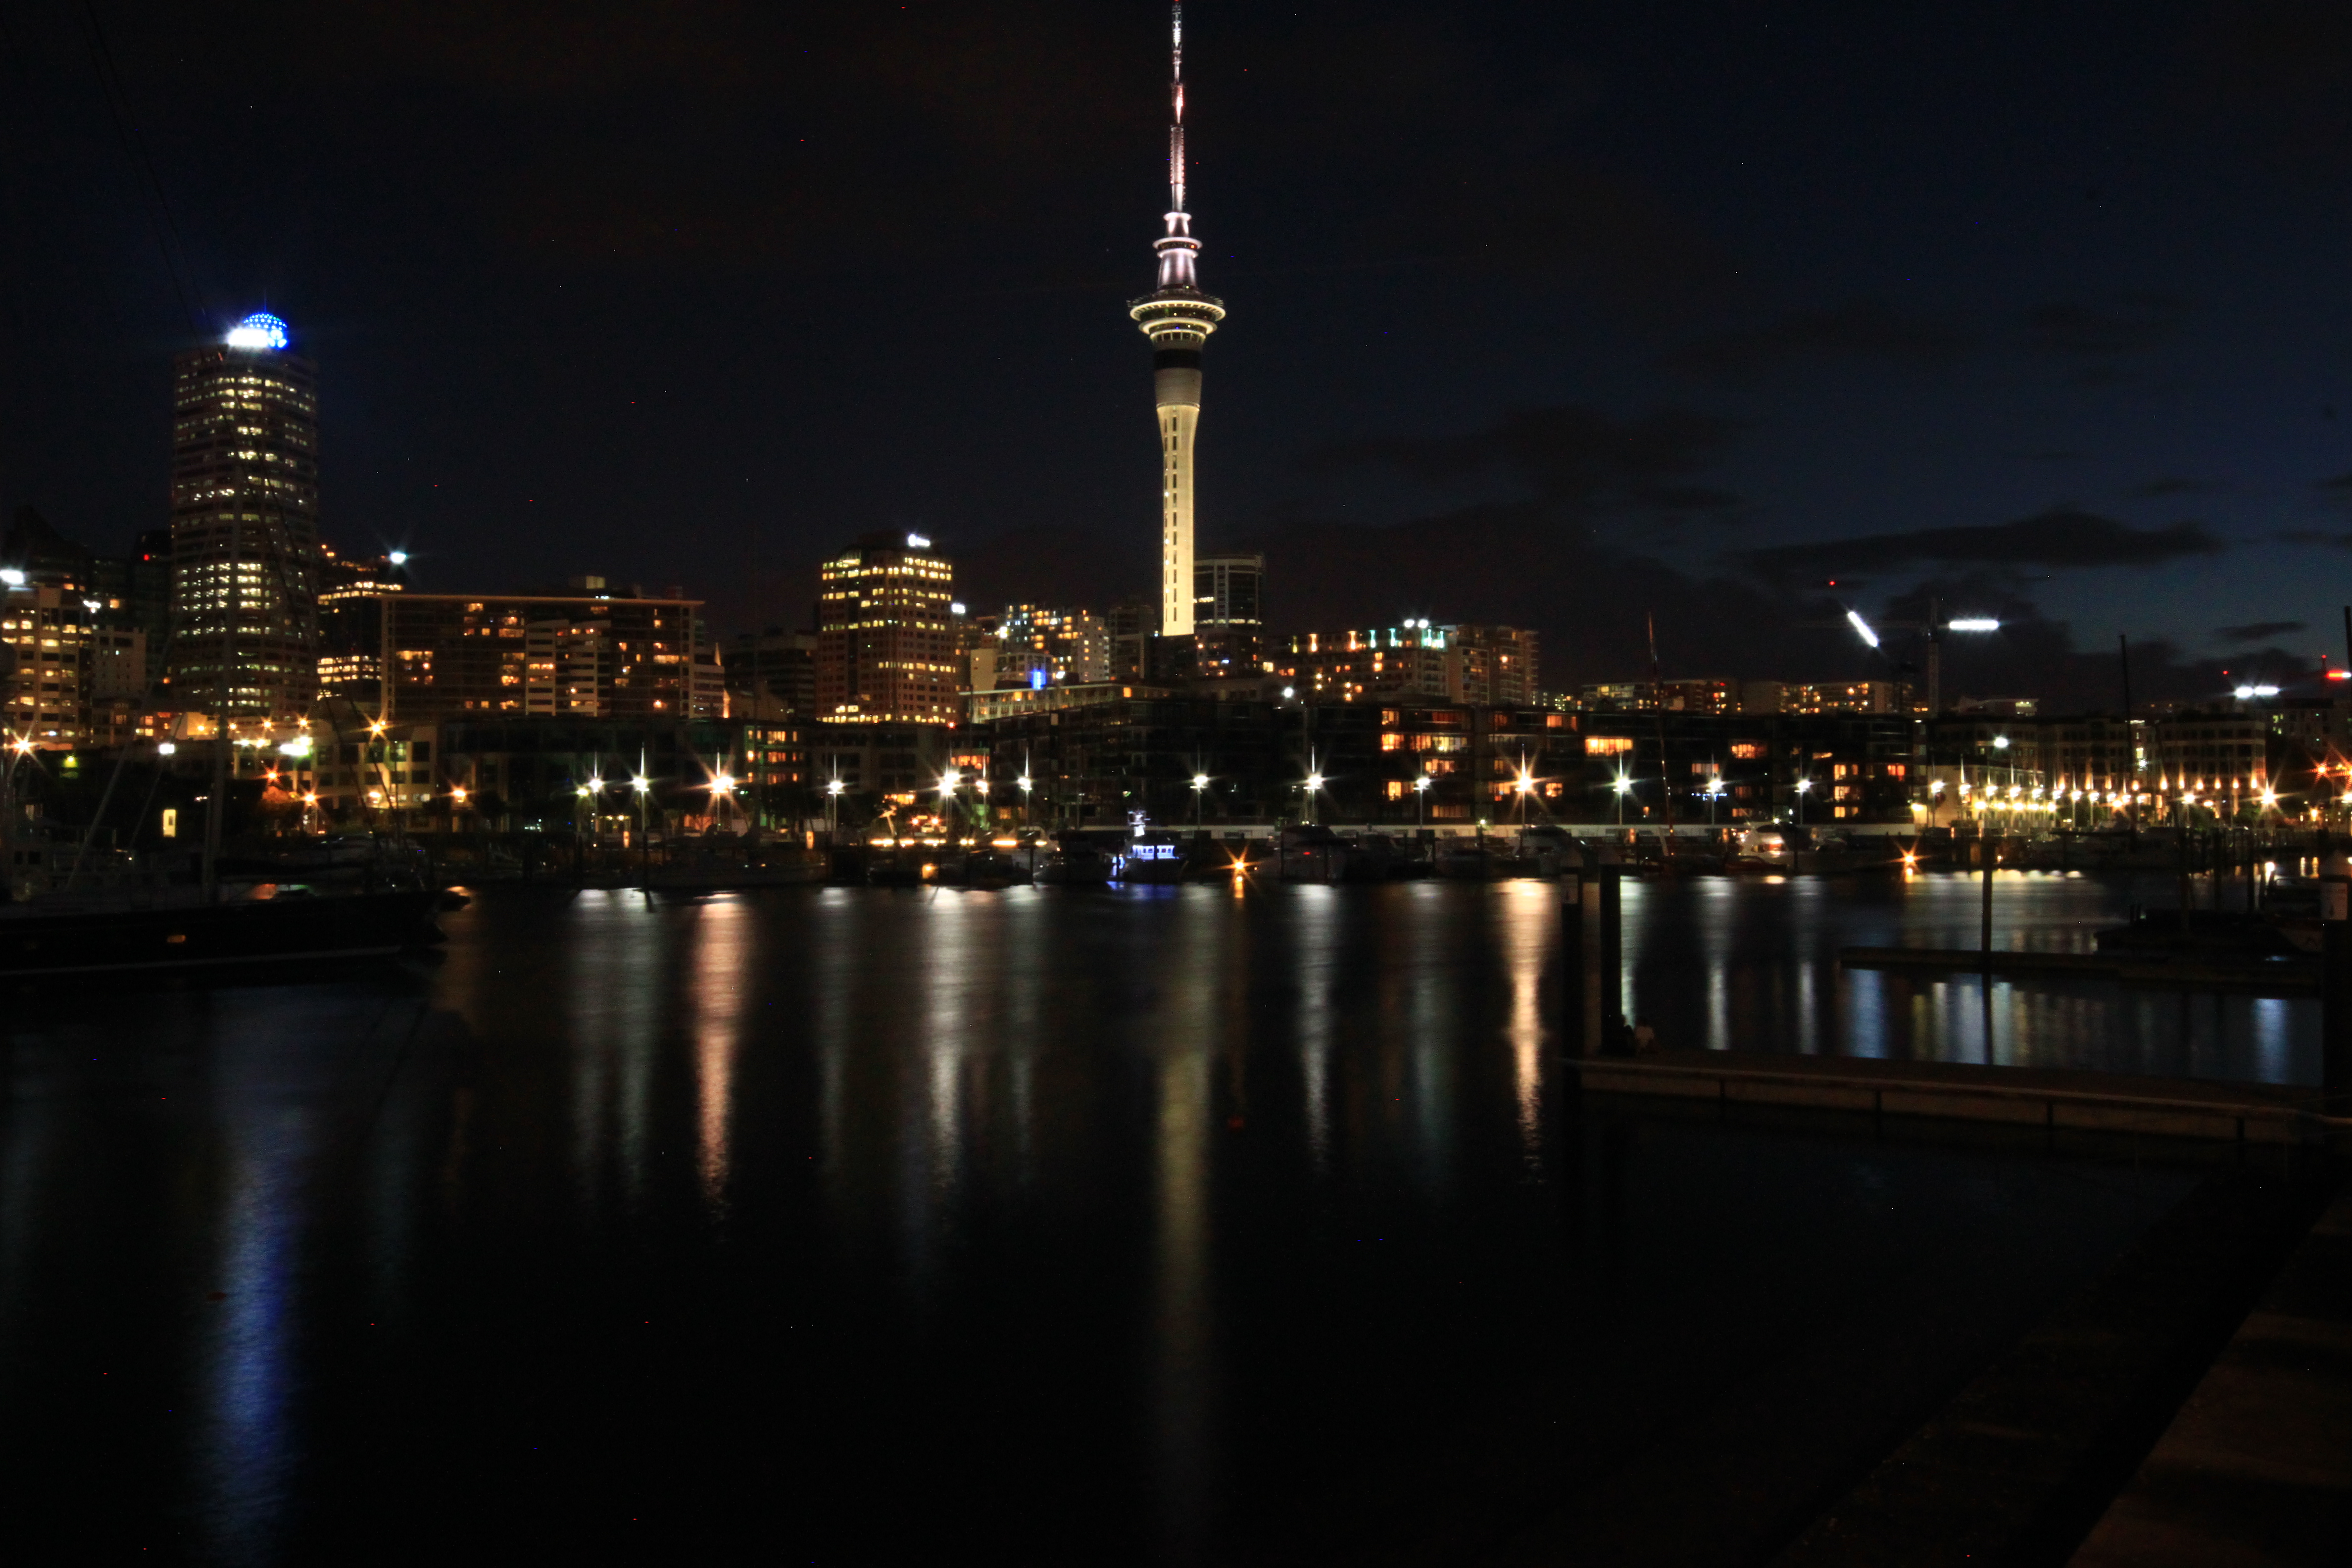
(46,636)
(1475,664)
(1095,764)
(1178,318)
(894,763)
(885,649)
(533,770)
(591,653)
(1442,764)
(244,527)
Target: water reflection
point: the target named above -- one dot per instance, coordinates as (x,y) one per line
(1182,1049)
(724,948)
(615,1002)
(1096,1219)
(1530,929)
(1752,965)
(250,1450)
(1315,915)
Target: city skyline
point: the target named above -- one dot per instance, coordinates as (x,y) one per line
(1641,377)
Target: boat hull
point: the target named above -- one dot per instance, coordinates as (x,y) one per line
(258,932)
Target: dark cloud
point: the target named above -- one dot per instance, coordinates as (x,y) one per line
(2171,485)
(2276,77)
(2063,536)
(2314,536)
(2130,325)
(1564,217)
(2258,631)
(1849,332)
(2341,484)
(1570,456)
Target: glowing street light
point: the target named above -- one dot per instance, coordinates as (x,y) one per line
(1804,788)
(1421,800)
(1974,623)
(1861,627)
(1199,798)
(1623,786)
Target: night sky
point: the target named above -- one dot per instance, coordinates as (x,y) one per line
(1556,314)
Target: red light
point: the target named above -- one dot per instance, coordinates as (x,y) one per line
(2339,674)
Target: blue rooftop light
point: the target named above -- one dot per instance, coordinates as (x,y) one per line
(259,330)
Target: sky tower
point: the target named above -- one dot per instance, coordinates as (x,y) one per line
(1178,318)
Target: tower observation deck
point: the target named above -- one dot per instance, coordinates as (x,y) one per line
(1178,318)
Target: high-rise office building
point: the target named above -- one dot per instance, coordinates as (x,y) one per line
(886,637)
(244,525)
(1229,615)
(1178,318)
(771,675)
(1229,590)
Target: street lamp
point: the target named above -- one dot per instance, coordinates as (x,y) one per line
(19,748)
(723,787)
(948,782)
(1314,784)
(1199,794)
(1804,787)
(1421,800)
(1932,628)
(1623,786)
(644,788)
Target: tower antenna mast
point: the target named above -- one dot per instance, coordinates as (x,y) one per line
(1176,106)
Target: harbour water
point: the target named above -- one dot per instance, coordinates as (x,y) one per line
(1212,1224)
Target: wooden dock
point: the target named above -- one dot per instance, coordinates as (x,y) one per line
(2021,1096)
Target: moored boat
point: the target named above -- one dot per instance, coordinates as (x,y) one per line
(264,924)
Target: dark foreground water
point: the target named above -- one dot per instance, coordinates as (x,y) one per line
(843,1227)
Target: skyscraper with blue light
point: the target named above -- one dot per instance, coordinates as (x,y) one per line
(245,526)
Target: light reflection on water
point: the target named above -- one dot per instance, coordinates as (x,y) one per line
(1752,964)
(723,950)
(249,1449)
(1162,1192)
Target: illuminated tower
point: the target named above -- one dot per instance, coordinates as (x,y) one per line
(1178,318)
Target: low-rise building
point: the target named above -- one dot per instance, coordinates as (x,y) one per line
(590,655)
